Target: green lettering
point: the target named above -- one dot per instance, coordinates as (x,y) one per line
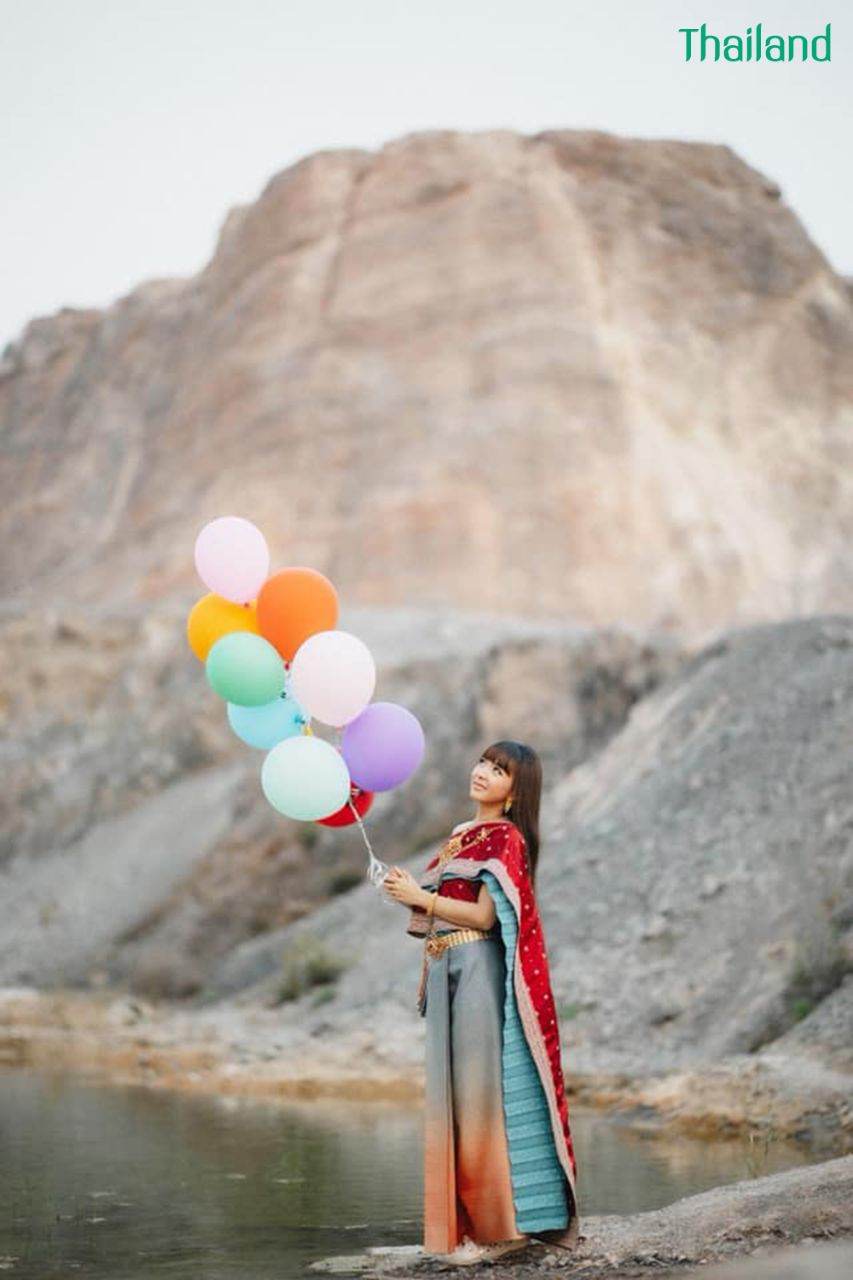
(688,43)
(825,38)
(703,40)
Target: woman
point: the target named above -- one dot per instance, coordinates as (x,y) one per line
(499,1167)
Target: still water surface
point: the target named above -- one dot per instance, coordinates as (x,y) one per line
(127,1183)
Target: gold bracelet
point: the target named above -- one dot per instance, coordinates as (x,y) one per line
(431,911)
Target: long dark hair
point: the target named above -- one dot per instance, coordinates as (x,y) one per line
(525,769)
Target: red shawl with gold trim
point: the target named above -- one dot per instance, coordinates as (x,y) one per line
(500,847)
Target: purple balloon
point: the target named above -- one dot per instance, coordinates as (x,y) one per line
(382,746)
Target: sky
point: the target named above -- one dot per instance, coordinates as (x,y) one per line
(131,127)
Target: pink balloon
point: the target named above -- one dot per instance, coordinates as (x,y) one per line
(232,558)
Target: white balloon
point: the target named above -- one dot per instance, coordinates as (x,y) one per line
(305,777)
(333,676)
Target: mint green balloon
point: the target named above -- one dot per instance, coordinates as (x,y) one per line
(305,777)
(245,668)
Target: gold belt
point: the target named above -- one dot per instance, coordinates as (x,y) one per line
(436,943)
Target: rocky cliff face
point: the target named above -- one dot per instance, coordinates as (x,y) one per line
(566,374)
(695,882)
(568,378)
(138,845)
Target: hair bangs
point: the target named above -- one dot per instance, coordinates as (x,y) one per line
(499,753)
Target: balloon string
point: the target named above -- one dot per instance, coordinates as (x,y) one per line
(376,869)
(362,830)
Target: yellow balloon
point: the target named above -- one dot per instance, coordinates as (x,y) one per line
(213,616)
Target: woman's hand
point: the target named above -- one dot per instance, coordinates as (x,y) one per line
(404,888)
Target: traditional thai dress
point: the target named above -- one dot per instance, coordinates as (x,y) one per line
(498,1157)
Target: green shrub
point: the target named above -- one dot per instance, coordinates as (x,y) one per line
(307,835)
(818,967)
(801,1007)
(343,881)
(307,963)
(323,995)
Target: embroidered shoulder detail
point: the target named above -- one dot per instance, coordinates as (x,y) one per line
(457,843)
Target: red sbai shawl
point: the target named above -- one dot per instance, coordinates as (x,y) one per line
(500,847)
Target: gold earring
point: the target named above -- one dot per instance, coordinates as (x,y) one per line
(507,806)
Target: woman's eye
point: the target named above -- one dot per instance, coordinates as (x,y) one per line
(497,768)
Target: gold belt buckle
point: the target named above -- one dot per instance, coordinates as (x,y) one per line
(435,945)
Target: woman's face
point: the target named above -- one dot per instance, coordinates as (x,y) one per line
(490,782)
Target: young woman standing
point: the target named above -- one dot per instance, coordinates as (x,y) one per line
(499,1166)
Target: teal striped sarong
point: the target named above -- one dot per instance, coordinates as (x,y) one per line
(538,1179)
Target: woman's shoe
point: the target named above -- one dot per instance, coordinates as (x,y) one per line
(464,1255)
(469,1252)
(497,1250)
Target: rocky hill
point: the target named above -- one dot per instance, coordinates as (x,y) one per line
(566,418)
(695,883)
(138,845)
(695,880)
(567,374)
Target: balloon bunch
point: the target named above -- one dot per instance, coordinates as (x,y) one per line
(272,651)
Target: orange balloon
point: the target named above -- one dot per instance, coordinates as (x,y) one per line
(213,616)
(294,604)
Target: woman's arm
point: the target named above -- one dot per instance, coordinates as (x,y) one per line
(403,887)
(467,915)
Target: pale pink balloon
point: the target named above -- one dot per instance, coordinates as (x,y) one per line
(232,558)
(333,676)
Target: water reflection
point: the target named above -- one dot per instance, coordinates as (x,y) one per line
(130,1182)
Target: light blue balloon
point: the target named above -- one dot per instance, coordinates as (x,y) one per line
(269,723)
(305,777)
